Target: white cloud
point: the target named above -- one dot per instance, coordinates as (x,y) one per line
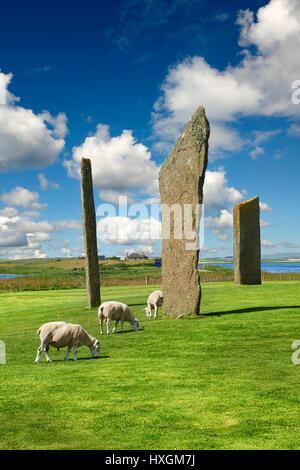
(40,254)
(8,212)
(43,181)
(264,223)
(17,231)
(31,214)
(66,252)
(58,123)
(220,225)
(265,207)
(277,22)
(6,97)
(68,224)
(46,184)
(22,197)
(260,85)
(113,196)
(27,140)
(219,198)
(289,245)
(285,244)
(264,136)
(148,250)
(25,225)
(216,192)
(205,249)
(254,154)
(294,130)
(126,231)
(267,244)
(22,253)
(9,237)
(120,164)
(28,236)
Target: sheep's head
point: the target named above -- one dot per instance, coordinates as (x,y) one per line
(135,324)
(95,349)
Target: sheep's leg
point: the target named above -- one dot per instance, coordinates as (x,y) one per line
(47,353)
(101,326)
(115,327)
(75,353)
(155,311)
(38,354)
(68,352)
(108,326)
(122,326)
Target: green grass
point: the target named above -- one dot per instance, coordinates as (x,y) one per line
(223,380)
(69,273)
(64,268)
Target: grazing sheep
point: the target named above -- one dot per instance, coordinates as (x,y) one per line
(117,311)
(155,300)
(60,334)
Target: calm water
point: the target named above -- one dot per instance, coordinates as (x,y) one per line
(269,267)
(8,276)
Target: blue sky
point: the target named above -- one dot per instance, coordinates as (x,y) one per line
(116,82)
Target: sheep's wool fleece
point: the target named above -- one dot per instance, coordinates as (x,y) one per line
(63,334)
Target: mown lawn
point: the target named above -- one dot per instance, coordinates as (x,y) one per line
(223,380)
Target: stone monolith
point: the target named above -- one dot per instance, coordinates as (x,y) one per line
(90,234)
(247,248)
(181,180)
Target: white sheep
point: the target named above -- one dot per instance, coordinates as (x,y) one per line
(155,300)
(60,334)
(110,311)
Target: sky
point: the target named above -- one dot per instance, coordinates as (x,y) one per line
(117,82)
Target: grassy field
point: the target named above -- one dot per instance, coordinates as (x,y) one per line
(65,273)
(223,380)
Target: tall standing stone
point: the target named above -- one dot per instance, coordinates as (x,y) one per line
(181,180)
(90,234)
(247,248)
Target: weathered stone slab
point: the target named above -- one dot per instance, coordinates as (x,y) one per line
(181,180)
(247,247)
(90,234)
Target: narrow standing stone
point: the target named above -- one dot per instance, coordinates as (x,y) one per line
(90,234)
(247,248)
(181,180)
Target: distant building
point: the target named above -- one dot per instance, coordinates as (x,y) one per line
(157,262)
(136,256)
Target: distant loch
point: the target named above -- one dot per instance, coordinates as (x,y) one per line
(9,276)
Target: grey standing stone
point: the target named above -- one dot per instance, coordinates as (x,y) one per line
(247,247)
(181,180)
(90,234)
